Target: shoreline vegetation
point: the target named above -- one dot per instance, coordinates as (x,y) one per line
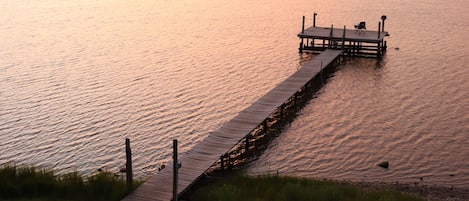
(33,184)
(320,189)
(284,188)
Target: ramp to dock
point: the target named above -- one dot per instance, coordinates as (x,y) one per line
(206,153)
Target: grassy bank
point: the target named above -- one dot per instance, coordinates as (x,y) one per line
(29,183)
(277,188)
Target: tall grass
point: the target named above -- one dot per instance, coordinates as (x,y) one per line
(20,183)
(277,188)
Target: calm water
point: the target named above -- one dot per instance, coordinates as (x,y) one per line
(78,77)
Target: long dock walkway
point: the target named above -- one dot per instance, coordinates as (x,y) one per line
(210,151)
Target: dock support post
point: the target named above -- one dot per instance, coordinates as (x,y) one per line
(379,30)
(330,36)
(175,170)
(302,31)
(295,98)
(378,53)
(303,25)
(343,39)
(128,165)
(281,112)
(222,162)
(230,165)
(314,19)
(301,46)
(247,142)
(383,18)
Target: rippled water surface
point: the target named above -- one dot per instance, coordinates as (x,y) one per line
(78,77)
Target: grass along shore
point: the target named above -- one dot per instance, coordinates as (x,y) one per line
(32,184)
(280,188)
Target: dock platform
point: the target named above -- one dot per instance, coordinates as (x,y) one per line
(235,138)
(355,42)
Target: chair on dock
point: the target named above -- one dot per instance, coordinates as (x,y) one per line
(360,26)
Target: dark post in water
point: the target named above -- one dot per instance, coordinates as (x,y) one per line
(175,170)
(343,39)
(128,164)
(303,25)
(383,18)
(314,19)
(331,35)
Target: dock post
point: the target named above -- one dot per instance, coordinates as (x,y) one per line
(383,18)
(295,98)
(281,112)
(302,31)
(230,165)
(222,162)
(379,30)
(247,142)
(378,53)
(330,36)
(175,170)
(303,25)
(301,46)
(343,39)
(314,19)
(128,165)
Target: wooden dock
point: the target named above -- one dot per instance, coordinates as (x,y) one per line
(234,140)
(355,42)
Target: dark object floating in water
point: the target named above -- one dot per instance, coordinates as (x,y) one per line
(384,164)
(396,48)
(161,167)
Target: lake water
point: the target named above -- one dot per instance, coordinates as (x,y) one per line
(78,77)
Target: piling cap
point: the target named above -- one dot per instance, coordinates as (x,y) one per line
(383,17)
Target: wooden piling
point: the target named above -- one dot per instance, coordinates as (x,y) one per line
(222,162)
(247,142)
(379,30)
(303,25)
(314,19)
(383,18)
(343,39)
(378,52)
(281,111)
(175,170)
(330,36)
(128,165)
